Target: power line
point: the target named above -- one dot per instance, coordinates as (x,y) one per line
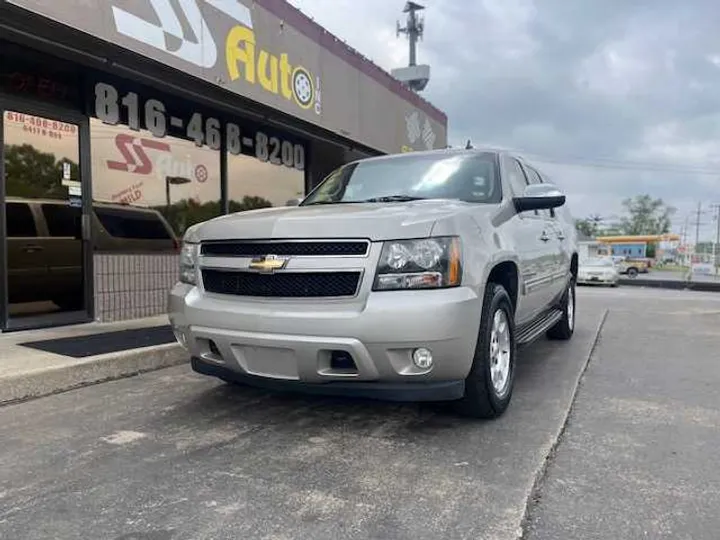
(628,166)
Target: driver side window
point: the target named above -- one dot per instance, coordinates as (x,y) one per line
(517,178)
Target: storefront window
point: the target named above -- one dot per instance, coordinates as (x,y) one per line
(256,184)
(168,177)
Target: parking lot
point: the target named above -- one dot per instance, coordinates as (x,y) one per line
(620,443)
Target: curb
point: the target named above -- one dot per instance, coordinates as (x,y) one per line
(703,286)
(107,367)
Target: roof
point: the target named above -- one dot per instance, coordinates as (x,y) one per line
(310,29)
(421,153)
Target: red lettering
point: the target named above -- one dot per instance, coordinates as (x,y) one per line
(135,158)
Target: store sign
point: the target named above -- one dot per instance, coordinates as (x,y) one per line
(265,51)
(135,159)
(41,126)
(245,56)
(153,115)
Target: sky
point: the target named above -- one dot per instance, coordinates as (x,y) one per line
(611,98)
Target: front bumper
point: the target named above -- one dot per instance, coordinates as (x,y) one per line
(290,344)
(402,392)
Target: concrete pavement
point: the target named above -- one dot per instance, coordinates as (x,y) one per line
(173,455)
(27,373)
(169,455)
(639,456)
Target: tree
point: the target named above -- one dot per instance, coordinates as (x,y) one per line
(646,215)
(187,212)
(586,227)
(33,174)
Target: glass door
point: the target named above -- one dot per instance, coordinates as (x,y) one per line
(46,259)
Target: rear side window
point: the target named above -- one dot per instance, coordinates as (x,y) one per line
(63,220)
(20,220)
(136,225)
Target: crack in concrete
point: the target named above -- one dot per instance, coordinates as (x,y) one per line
(540,475)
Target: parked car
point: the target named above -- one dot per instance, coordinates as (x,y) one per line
(632,267)
(598,271)
(405,277)
(45,245)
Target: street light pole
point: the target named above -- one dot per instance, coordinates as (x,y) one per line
(716,263)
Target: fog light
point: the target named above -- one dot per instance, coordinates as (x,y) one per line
(422,358)
(180,337)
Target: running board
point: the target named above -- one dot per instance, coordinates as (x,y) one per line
(538,327)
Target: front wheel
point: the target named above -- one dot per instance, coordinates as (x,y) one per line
(489,385)
(565,327)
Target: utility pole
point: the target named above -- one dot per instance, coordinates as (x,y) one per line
(716,263)
(697,231)
(414,29)
(414,76)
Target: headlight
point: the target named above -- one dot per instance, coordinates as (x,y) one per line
(428,263)
(188,263)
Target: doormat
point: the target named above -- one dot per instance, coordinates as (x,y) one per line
(106,342)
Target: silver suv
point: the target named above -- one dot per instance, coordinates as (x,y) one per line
(410,277)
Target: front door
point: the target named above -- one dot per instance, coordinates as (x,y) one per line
(45,271)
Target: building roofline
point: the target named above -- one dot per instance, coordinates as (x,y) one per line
(312,30)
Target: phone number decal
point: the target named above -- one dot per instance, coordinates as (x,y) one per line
(208,131)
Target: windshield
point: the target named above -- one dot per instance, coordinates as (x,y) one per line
(467,177)
(599,262)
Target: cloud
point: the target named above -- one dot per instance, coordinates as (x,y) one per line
(614,98)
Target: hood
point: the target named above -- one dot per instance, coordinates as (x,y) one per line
(375,221)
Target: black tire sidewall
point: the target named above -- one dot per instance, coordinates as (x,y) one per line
(570,289)
(479,383)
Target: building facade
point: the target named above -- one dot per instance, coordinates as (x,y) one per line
(126,121)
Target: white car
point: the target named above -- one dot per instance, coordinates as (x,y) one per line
(600,271)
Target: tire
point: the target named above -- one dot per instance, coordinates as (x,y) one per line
(632,272)
(565,327)
(483,399)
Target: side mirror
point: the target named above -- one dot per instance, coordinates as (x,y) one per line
(539,197)
(293,202)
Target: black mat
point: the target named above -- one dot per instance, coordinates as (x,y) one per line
(107,342)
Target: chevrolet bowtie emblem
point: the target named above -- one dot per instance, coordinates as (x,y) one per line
(268,263)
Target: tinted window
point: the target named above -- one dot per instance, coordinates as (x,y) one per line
(535,178)
(127,224)
(20,221)
(469,177)
(63,220)
(516,176)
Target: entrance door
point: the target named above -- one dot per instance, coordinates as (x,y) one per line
(46,253)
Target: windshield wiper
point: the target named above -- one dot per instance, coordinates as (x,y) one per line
(327,202)
(387,198)
(394,198)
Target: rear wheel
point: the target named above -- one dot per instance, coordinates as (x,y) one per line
(488,387)
(565,327)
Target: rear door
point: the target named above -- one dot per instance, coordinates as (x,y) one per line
(64,250)
(27,264)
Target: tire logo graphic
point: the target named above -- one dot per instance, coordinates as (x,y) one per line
(303,89)
(201,173)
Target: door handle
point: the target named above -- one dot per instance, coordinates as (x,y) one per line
(544,237)
(32,248)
